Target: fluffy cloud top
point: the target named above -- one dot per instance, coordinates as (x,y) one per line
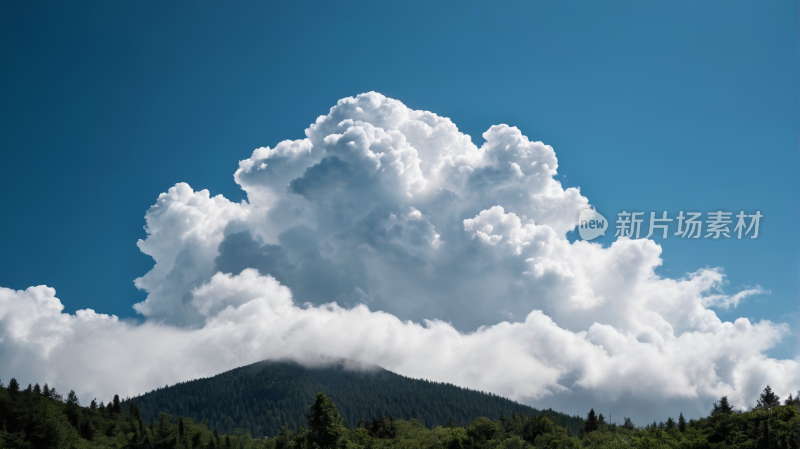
(387,236)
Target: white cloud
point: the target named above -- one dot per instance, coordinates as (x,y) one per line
(433,249)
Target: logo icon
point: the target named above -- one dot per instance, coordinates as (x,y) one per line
(591,224)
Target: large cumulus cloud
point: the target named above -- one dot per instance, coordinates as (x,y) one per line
(389,237)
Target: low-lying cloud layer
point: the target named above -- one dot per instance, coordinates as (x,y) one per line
(388,237)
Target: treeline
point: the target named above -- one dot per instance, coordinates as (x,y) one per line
(264,396)
(42,418)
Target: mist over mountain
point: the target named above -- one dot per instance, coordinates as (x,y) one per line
(264,396)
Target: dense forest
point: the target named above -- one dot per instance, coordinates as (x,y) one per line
(41,418)
(264,396)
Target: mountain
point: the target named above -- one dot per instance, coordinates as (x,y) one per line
(262,397)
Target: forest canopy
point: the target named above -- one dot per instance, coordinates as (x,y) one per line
(40,417)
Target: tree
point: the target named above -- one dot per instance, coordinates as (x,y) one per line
(722,407)
(72,398)
(116,408)
(627,423)
(73,413)
(591,423)
(483,429)
(538,425)
(601,419)
(681,423)
(93,404)
(793,401)
(768,400)
(325,425)
(46,391)
(38,390)
(382,427)
(133,410)
(13,386)
(670,423)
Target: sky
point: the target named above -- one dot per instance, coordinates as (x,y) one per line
(141,141)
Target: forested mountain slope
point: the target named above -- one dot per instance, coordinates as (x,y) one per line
(264,396)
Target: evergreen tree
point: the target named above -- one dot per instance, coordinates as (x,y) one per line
(29,389)
(627,423)
(601,419)
(722,407)
(681,423)
(670,423)
(93,404)
(768,400)
(38,390)
(72,398)
(117,408)
(134,412)
(73,413)
(591,422)
(46,391)
(13,386)
(325,425)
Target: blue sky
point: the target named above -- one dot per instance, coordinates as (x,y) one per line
(649,107)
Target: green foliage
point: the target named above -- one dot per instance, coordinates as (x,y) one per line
(32,420)
(591,423)
(325,425)
(722,407)
(267,395)
(536,427)
(768,400)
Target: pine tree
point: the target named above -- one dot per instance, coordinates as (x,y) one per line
(116,408)
(670,423)
(13,386)
(38,390)
(591,422)
(721,408)
(627,423)
(93,404)
(134,412)
(72,398)
(46,391)
(681,423)
(325,425)
(768,400)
